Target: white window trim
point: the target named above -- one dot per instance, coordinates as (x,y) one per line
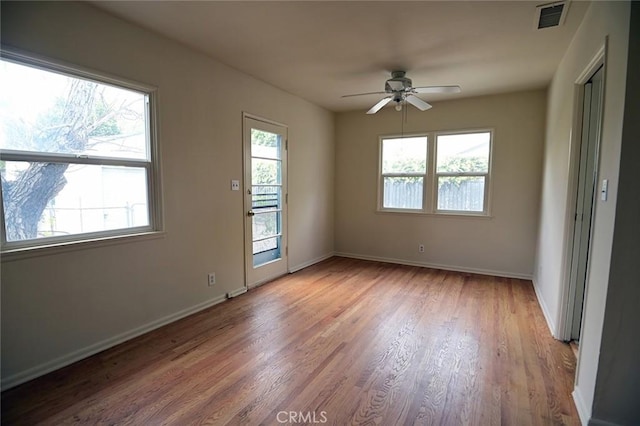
(50,245)
(430,186)
(381,175)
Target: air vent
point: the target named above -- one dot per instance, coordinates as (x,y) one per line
(550,15)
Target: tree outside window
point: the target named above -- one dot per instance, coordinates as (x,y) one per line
(75,155)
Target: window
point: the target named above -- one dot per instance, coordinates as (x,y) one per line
(77,158)
(462,171)
(449,176)
(404,170)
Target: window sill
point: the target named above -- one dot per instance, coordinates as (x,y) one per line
(9,255)
(447,215)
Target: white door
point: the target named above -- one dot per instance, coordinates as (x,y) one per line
(587,174)
(265,200)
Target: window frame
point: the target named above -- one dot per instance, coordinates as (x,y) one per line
(486,175)
(430,187)
(18,249)
(381,175)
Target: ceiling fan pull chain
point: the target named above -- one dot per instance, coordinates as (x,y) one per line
(403,118)
(404,109)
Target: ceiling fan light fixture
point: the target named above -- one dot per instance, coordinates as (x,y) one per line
(396,85)
(400,90)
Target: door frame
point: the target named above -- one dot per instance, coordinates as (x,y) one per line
(246,165)
(586,198)
(567,295)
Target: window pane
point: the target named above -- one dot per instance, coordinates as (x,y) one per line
(265,245)
(42,111)
(50,200)
(404,155)
(461,193)
(467,152)
(266,225)
(266,251)
(265,172)
(265,197)
(265,144)
(403,192)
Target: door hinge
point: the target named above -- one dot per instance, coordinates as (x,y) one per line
(286,198)
(286,250)
(286,144)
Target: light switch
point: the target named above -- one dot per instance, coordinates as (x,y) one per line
(235,185)
(603,190)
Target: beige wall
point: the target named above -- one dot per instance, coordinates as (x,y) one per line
(603,19)
(57,308)
(503,244)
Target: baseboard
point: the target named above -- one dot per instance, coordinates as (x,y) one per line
(310,263)
(454,268)
(63,361)
(236,292)
(583,411)
(597,422)
(545,311)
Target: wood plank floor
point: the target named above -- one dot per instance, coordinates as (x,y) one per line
(342,342)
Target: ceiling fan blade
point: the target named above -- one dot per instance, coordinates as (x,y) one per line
(364,94)
(379,105)
(417,102)
(437,89)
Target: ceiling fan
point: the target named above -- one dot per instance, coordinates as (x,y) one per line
(399,89)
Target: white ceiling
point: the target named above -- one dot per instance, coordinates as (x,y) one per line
(320,50)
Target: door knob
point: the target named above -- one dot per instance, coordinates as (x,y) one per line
(251,213)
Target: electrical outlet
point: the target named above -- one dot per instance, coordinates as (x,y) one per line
(421,248)
(212,278)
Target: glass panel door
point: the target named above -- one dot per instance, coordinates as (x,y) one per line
(265,200)
(266,196)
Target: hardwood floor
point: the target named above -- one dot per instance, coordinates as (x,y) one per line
(342,342)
